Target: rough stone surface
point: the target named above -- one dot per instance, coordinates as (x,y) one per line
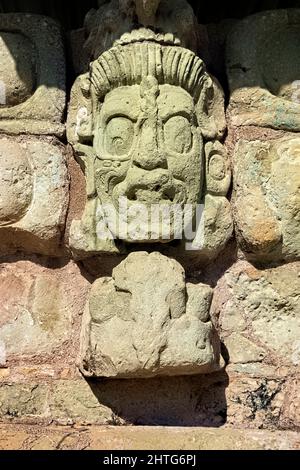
(23,399)
(74,402)
(267,198)
(263,69)
(17,69)
(37,309)
(261,311)
(261,399)
(146,321)
(32,71)
(255,402)
(261,394)
(150,438)
(290,412)
(34,195)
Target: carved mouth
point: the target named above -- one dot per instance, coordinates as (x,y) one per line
(152,194)
(150,188)
(155,195)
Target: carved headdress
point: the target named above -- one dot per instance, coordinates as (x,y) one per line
(142,53)
(137,55)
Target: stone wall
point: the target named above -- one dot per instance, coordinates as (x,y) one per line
(125,331)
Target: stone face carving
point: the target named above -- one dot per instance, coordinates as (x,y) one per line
(33,195)
(267,198)
(32,75)
(146,321)
(264,73)
(139,122)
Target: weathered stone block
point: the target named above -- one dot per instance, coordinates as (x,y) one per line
(146,321)
(34,196)
(73,401)
(263,68)
(33,318)
(260,319)
(32,75)
(23,400)
(290,415)
(267,198)
(37,313)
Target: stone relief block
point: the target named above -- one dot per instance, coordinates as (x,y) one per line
(147,321)
(267,198)
(32,75)
(34,195)
(263,68)
(146,124)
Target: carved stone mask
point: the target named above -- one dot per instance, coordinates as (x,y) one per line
(149,150)
(140,122)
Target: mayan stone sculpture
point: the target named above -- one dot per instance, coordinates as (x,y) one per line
(146,321)
(145,123)
(149,224)
(34,184)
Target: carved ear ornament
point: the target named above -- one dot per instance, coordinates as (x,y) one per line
(218,172)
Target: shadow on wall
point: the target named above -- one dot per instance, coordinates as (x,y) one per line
(166,401)
(72,17)
(213,12)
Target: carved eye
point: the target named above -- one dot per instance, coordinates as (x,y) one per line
(178,134)
(119,136)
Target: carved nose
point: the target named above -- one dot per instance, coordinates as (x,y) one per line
(149,154)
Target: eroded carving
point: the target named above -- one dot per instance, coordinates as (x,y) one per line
(32,75)
(34,195)
(16,182)
(147,321)
(139,121)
